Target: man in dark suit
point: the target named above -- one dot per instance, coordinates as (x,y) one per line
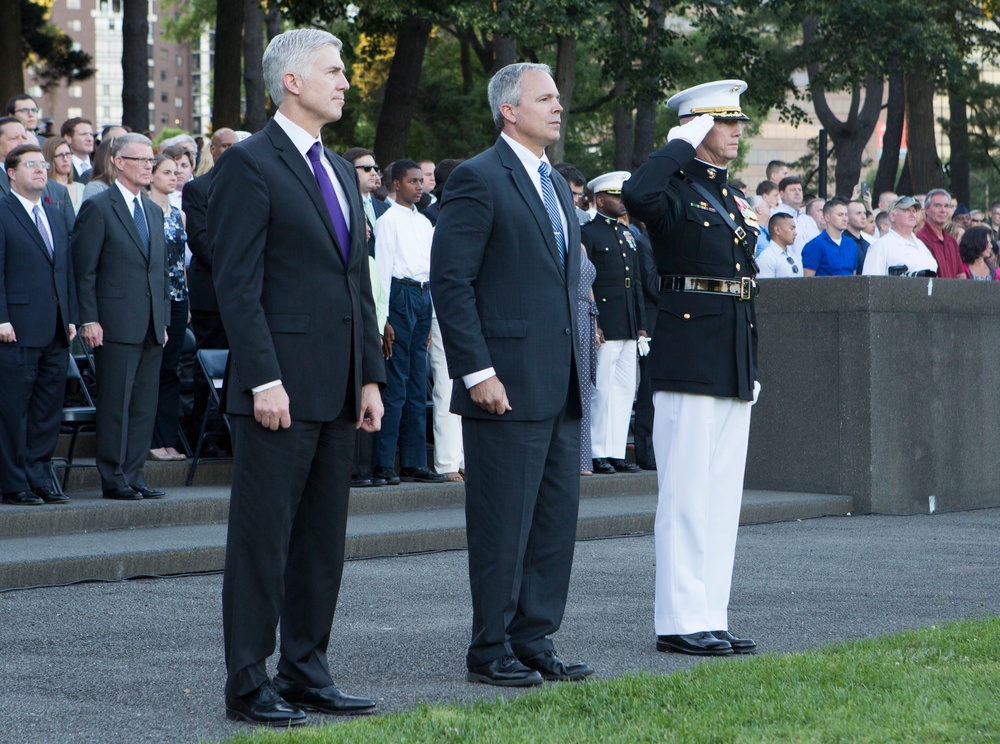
(505,266)
(13,134)
(79,133)
(37,322)
(291,271)
(703,364)
(209,333)
(119,258)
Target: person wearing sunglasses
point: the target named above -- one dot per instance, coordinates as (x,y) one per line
(778,260)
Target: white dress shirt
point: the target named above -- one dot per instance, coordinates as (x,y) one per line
(403,236)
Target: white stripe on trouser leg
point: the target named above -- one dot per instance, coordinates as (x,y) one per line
(449,456)
(700,444)
(612,398)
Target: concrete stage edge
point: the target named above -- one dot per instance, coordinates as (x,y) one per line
(884,389)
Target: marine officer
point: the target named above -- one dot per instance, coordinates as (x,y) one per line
(703,364)
(611,247)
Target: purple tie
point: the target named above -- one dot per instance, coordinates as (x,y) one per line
(40,224)
(332,202)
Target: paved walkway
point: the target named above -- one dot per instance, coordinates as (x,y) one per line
(142,661)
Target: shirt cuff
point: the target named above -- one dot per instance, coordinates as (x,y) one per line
(265,386)
(477,377)
(4,326)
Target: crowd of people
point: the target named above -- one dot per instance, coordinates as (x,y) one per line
(898,235)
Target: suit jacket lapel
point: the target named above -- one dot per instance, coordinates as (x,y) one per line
(530,195)
(28,224)
(356,212)
(294,160)
(155,225)
(125,215)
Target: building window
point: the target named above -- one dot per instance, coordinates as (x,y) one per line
(163,75)
(180,81)
(75,91)
(163,54)
(75,46)
(178,102)
(74,25)
(163,97)
(111,24)
(73,111)
(164,118)
(72,4)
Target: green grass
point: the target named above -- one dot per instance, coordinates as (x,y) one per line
(937,684)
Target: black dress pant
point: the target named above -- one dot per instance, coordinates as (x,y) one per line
(522,497)
(285,547)
(642,430)
(32,389)
(169,401)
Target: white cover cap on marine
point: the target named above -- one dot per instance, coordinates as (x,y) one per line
(609,183)
(720,99)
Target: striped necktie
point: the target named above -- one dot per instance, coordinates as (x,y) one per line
(552,207)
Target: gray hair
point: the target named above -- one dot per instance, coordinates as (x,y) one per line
(505,87)
(176,140)
(131,138)
(292,51)
(935,192)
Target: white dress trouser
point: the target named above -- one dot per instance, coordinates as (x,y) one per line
(612,398)
(449,457)
(701,450)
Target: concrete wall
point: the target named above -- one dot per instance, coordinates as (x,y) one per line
(886,389)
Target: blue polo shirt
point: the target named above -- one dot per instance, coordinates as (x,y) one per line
(827,258)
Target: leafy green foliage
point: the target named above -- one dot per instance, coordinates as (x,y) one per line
(49,50)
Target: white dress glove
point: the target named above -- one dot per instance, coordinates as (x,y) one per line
(756,392)
(643,345)
(693,131)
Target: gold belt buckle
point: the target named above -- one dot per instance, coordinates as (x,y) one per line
(746,287)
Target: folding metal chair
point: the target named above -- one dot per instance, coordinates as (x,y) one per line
(74,419)
(212,365)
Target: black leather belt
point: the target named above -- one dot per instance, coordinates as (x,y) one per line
(743,288)
(412,283)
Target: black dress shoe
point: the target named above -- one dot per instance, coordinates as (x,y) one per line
(740,645)
(376,482)
(49,496)
(506,671)
(359,482)
(264,706)
(148,493)
(697,644)
(125,493)
(323,699)
(22,498)
(386,474)
(554,669)
(603,467)
(421,475)
(648,465)
(621,466)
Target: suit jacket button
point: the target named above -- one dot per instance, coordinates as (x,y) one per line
(347,319)
(687,316)
(567,331)
(737,267)
(706,224)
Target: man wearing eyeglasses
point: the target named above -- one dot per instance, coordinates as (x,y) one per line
(37,322)
(777,260)
(23,108)
(121,276)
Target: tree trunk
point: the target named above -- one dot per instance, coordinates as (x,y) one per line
(135,67)
(926,172)
(565,82)
(273,19)
(888,164)
(958,136)
(228,55)
(645,115)
(504,52)
(623,129)
(253,70)
(393,128)
(11,52)
(645,134)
